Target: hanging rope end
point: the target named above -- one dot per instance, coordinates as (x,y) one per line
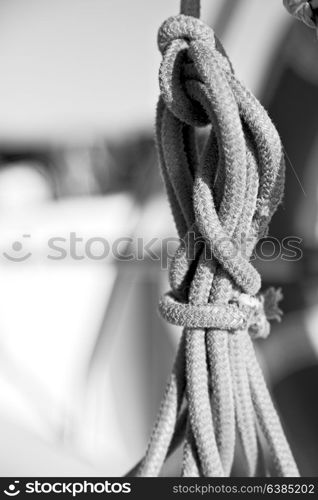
(272,297)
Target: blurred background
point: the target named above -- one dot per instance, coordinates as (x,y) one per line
(84,355)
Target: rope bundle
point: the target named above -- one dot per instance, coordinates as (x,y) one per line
(222,199)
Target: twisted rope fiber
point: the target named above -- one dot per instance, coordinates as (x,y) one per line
(226,193)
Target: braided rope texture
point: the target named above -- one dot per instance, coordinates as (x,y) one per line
(222,197)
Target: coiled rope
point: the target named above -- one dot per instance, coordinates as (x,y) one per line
(222,199)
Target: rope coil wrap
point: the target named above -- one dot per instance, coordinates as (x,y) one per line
(224,195)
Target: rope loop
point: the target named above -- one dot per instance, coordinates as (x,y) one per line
(182,27)
(175,37)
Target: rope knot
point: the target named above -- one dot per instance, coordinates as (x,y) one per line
(175,38)
(243,312)
(260,310)
(224,191)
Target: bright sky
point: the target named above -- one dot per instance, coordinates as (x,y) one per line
(81,66)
